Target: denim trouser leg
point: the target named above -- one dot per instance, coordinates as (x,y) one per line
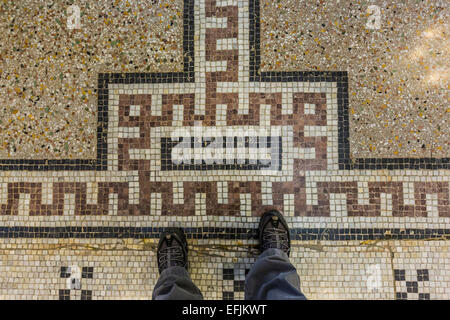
(273,277)
(174,283)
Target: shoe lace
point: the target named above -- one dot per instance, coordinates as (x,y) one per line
(171,256)
(276,238)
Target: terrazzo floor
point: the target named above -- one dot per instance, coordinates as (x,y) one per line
(120,118)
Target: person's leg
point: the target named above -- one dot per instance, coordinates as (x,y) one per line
(174,282)
(273,277)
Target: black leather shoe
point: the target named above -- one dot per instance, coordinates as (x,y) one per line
(172,249)
(274,232)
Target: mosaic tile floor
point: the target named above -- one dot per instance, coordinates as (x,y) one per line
(207,133)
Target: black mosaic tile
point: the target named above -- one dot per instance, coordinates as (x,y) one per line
(238,285)
(412,286)
(64,294)
(65,272)
(87,272)
(401,296)
(228,295)
(424,296)
(228,274)
(422,275)
(86,295)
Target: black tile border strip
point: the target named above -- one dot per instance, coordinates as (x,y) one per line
(100,163)
(223,233)
(341,78)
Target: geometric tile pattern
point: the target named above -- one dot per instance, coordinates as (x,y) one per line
(421,270)
(426,199)
(276,140)
(127,268)
(300,115)
(74,278)
(414,289)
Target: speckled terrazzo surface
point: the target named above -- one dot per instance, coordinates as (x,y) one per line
(398,74)
(48,73)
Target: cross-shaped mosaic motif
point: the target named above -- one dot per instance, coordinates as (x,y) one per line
(229,90)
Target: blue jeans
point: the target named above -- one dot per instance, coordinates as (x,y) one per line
(272,277)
